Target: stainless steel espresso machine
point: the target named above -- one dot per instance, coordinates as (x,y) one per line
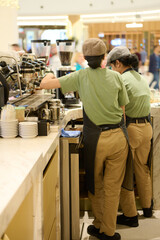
(24,75)
(65,50)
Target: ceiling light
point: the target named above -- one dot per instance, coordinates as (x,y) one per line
(134,25)
(120,14)
(42,17)
(42,20)
(9,3)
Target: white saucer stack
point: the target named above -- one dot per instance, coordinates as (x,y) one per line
(9,129)
(28,129)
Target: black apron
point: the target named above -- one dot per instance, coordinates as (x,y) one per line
(91,133)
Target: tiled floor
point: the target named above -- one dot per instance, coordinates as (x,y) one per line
(149,229)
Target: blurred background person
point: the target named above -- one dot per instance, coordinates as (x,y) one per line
(154,67)
(143,54)
(78,61)
(16,47)
(54,60)
(135,51)
(143,69)
(104,62)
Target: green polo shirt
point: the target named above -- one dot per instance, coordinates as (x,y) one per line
(138,93)
(101,91)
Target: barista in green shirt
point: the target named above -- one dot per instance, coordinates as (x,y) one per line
(139,131)
(103,95)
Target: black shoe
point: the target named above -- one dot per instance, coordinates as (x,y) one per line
(147,212)
(103,236)
(93,231)
(128,221)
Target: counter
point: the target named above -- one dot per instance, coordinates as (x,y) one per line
(22,162)
(155,168)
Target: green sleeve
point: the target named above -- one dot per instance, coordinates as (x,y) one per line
(122,96)
(69,82)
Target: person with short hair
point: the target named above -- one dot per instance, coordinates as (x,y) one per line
(154,67)
(104,96)
(143,54)
(140,133)
(15,47)
(54,60)
(78,61)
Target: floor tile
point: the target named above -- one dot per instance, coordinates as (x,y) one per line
(149,228)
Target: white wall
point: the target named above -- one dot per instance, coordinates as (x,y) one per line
(8,27)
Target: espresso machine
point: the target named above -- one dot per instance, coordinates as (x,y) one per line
(4,90)
(23,75)
(65,49)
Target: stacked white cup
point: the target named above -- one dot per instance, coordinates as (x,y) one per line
(9,123)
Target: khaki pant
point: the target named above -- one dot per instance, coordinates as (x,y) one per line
(110,163)
(140,141)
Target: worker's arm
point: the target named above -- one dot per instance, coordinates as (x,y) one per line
(50,82)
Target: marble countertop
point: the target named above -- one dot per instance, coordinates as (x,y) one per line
(21,160)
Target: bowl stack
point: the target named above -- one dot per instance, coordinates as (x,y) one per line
(28,129)
(9,129)
(8,123)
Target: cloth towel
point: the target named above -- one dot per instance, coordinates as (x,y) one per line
(70,133)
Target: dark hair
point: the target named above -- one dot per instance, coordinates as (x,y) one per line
(15,45)
(129,60)
(155,46)
(94,61)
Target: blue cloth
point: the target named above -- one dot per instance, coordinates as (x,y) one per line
(78,67)
(70,133)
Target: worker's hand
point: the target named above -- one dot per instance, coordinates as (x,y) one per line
(50,82)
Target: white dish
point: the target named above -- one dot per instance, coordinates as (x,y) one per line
(8,136)
(31,136)
(28,133)
(9,121)
(9,131)
(28,128)
(27,123)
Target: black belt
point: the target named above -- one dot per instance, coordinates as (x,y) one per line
(107,127)
(137,120)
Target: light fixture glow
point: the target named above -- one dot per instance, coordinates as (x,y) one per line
(9,3)
(40,23)
(134,25)
(42,20)
(120,14)
(42,17)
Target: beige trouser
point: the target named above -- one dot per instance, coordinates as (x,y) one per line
(110,164)
(140,141)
